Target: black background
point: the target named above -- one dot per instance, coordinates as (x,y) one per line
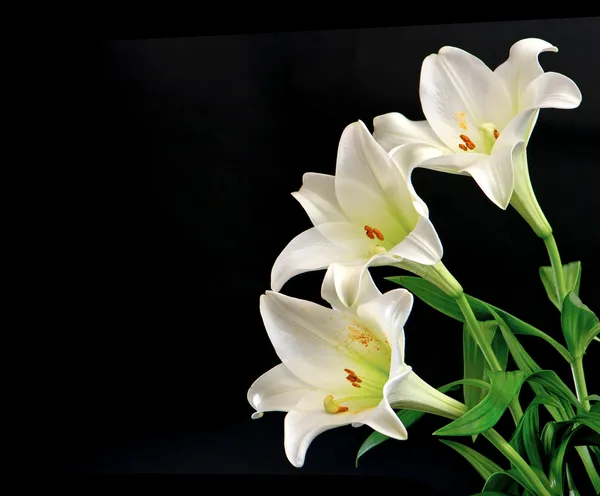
(184,152)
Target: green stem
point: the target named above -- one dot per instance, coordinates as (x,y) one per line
(515,459)
(486,348)
(557,267)
(579,379)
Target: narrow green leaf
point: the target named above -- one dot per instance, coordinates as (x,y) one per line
(526,437)
(572,273)
(484,466)
(557,461)
(430,294)
(504,387)
(592,397)
(500,349)
(579,324)
(520,356)
(554,385)
(409,417)
(439,300)
(474,362)
(508,482)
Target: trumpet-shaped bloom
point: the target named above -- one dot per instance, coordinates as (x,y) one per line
(478,121)
(367,214)
(341,365)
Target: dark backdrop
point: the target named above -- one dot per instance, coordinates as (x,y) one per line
(185,152)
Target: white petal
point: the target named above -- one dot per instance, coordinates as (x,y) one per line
(347,286)
(393,129)
(495,174)
(305,422)
(277,390)
(551,90)
(363,164)
(384,420)
(389,312)
(522,67)
(317,197)
(308,419)
(455,83)
(365,206)
(309,251)
(454,163)
(409,156)
(422,245)
(317,344)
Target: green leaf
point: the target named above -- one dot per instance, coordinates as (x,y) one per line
(504,387)
(557,463)
(500,349)
(579,325)
(474,362)
(439,300)
(572,273)
(430,294)
(526,437)
(409,417)
(484,466)
(555,386)
(508,482)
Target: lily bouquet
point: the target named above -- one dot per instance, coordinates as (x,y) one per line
(345,364)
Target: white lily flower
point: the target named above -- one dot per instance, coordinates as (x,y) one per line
(365,215)
(478,121)
(342,365)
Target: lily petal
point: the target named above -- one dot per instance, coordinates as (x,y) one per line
(348,286)
(422,245)
(362,161)
(522,67)
(495,174)
(409,156)
(455,83)
(389,312)
(551,90)
(383,420)
(308,419)
(393,129)
(317,197)
(309,251)
(277,390)
(305,422)
(317,344)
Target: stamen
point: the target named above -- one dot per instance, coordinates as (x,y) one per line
(496,133)
(378,233)
(370,232)
(468,143)
(462,147)
(353,378)
(331,406)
